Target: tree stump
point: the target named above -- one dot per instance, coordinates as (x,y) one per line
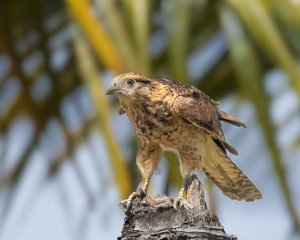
(154,217)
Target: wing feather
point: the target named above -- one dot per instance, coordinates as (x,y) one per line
(197,108)
(226,117)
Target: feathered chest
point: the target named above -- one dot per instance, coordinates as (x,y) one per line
(153,120)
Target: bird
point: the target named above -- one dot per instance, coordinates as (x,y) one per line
(170,116)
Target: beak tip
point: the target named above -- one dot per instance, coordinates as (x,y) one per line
(111,90)
(108,91)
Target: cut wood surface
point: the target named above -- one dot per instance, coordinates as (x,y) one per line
(154,217)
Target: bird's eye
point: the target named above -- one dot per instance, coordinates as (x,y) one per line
(130,81)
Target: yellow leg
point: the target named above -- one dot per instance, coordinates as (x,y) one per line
(141,193)
(147,160)
(180,200)
(146,184)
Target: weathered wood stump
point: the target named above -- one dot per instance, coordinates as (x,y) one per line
(154,217)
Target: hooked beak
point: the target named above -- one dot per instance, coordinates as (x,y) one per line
(112,89)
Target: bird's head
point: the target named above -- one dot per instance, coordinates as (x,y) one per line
(129,85)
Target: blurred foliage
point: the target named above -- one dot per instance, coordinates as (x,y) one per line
(150,37)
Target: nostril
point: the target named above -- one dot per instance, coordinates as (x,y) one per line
(115,84)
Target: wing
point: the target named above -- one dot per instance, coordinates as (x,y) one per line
(197,108)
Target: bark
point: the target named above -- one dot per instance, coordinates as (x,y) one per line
(154,217)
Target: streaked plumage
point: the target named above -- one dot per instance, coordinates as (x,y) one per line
(170,116)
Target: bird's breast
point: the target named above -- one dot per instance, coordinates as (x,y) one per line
(152,120)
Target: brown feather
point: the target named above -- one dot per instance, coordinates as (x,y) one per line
(171,116)
(121,111)
(226,117)
(196,107)
(229,178)
(231,149)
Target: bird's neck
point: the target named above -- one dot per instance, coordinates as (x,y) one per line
(132,104)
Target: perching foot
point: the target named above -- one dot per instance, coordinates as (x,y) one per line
(180,201)
(127,203)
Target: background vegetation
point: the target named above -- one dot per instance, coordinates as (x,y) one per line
(56,57)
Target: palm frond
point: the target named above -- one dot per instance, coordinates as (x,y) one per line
(96,33)
(249,73)
(91,77)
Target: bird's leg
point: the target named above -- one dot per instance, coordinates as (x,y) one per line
(180,200)
(141,193)
(147,160)
(146,184)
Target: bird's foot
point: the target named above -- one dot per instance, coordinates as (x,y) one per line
(127,203)
(180,201)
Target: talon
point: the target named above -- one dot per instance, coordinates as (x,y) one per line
(127,203)
(180,200)
(142,192)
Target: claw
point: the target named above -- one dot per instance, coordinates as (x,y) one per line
(127,203)
(141,193)
(180,200)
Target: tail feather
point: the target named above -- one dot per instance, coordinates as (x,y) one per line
(230,179)
(226,117)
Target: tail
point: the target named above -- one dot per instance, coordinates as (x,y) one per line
(226,117)
(229,178)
